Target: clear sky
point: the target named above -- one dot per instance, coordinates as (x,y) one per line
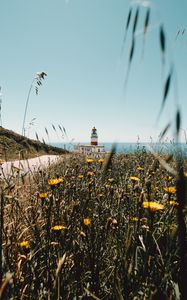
(78,44)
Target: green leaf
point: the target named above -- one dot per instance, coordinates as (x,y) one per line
(167,86)
(132,50)
(128,19)
(162,39)
(165,130)
(135,20)
(165,92)
(178,121)
(146,23)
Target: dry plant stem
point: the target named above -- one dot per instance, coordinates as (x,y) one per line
(26,106)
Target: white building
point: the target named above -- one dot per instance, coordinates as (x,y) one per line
(93,149)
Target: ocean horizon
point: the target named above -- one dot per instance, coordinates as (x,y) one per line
(125,147)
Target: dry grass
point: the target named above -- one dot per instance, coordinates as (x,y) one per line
(88,236)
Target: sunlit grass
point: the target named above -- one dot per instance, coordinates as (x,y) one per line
(69,230)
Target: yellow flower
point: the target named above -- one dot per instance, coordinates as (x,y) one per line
(101,195)
(101,160)
(173,203)
(25,244)
(55,181)
(87,222)
(42,195)
(153,206)
(170,189)
(58,227)
(89,173)
(81,176)
(133,178)
(168,178)
(140,168)
(135,219)
(89,160)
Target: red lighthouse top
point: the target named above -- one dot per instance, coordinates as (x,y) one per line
(94,137)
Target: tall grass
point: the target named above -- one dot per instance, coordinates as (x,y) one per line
(70,233)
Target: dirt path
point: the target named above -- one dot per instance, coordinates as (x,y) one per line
(11,168)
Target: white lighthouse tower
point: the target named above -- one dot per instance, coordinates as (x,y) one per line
(92,149)
(94,137)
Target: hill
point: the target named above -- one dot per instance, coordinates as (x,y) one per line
(15,146)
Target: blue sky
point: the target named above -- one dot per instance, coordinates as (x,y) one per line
(78,44)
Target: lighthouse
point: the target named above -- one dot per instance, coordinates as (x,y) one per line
(92,149)
(94,137)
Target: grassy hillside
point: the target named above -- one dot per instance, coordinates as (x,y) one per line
(14,146)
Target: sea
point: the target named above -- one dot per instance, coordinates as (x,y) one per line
(126,148)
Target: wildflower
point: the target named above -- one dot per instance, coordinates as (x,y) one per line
(81,176)
(25,244)
(173,203)
(134,178)
(89,160)
(153,206)
(101,160)
(139,168)
(170,189)
(58,227)
(101,195)
(89,173)
(55,181)
(168,178)
(87,222)
(42,195)
(135,219)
